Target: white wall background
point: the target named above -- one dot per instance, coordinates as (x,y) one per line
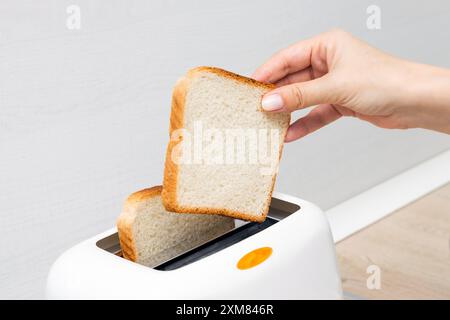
(84,113)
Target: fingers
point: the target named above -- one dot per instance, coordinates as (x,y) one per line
(292,59)
(384,121)
(300,95)
(319,117)
(299,76)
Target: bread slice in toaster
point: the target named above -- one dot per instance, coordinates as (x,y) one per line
(224,151)
(149,235)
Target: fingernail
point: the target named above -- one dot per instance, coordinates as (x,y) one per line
(272,102)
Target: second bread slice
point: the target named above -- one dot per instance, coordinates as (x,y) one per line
(149,235)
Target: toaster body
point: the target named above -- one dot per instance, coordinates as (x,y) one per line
(290,256)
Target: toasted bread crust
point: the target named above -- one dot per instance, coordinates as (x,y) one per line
(231,75)
(142,195)
(127,217)
(169,192)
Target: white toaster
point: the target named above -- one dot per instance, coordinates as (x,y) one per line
(289,256)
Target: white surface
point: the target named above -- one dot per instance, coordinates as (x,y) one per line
(374,204)
(302,266)
(84,113)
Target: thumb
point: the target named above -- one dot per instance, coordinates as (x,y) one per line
(299,95)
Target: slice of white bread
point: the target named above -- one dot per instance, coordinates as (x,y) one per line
(149,235)
(209,105)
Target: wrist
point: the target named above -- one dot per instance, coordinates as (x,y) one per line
(426,97)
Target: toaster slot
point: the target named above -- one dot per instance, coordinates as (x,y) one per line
(216,245)
(279,209)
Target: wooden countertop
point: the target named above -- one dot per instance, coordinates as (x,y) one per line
(411,248)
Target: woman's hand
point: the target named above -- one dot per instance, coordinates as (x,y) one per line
(344,76)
